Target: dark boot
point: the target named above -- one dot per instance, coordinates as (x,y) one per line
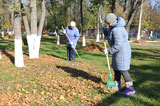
(119,85)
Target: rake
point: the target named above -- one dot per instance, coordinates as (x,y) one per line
(72,45)
(111,84)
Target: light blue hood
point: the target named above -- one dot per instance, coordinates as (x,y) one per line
(120,22)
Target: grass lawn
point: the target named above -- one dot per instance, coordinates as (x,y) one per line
(157,43)
(52,81)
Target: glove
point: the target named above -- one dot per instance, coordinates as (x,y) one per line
(71,43)
(64,31)
(106,51)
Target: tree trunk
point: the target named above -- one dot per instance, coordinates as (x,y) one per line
(10,23)
(2,26)
(33,37)
(43,14)
(26,25)
(130,10)
(25,21)
(113,3)
(140,21)
(130,20)
(40,29)
(97,39)
(81,12)
(18,39)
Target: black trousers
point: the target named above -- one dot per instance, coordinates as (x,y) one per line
(70,53)
(125,74)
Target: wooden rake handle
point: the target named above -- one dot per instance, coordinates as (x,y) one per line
(107,58)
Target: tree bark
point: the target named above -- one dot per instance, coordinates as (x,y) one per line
(113,5)
(33,37)
(18,39)
(82,23)
(131,10)
(40,29)
(25,21)
(43,14)
(130,20)
(33,7)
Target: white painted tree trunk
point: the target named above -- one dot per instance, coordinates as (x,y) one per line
(151,35)
(18,53)
(37,46)
(98,35)
(84,41)
(58,39)
(30,42)
(97,39)
(34,46)
(140,21)
(0,56)
(18,39)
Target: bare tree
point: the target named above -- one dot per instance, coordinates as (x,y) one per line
(132,6)
(34,33)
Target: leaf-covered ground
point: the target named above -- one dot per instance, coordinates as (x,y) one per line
(53,81)
(49,80)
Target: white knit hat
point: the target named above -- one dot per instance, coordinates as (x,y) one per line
(73,23)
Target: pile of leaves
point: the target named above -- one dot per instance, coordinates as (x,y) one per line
(81,40)
(139,41)
(9,37)
(46,36)
(94,47)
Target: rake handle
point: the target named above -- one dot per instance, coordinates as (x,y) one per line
(107,58)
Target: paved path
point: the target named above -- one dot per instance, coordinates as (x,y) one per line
(143,44)
(132,43)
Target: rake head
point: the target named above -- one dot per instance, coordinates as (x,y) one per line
(111,85)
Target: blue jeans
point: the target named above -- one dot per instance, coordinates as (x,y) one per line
(70,52)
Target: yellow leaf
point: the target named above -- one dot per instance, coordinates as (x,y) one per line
(62,97)
(42,93)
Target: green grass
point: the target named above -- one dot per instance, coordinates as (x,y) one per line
(88,80)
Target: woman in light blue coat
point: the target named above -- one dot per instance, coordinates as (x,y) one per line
(120,51)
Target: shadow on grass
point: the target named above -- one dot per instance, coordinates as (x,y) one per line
(147,85)
(143,56)
(8,55)
(57,56)
(154,53)
(118,96)
(80,73)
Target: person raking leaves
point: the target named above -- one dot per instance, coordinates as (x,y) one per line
(120,50)
(73,35)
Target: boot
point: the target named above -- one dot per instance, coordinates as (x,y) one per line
(129,89)
(119,85)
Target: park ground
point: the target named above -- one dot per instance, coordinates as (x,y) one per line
(53,81)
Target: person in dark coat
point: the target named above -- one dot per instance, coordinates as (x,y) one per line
(120,50)
(73,34)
